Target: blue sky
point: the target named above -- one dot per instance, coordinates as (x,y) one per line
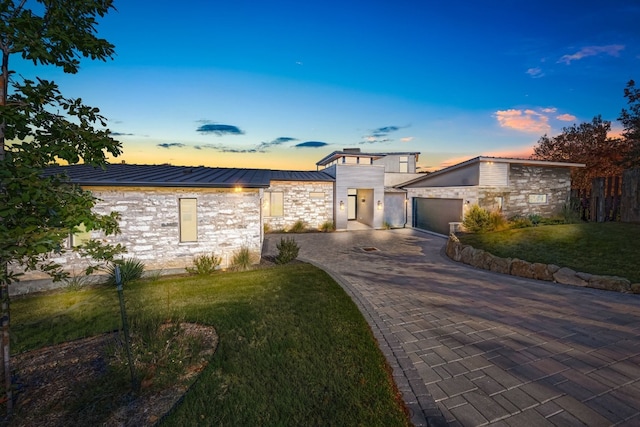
(281,84)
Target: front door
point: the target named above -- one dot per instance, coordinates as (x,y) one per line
(352,202)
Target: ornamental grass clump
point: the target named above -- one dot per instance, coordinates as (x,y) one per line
(242,259)
(204,264)
(298,227)
(287,250)
(130,269)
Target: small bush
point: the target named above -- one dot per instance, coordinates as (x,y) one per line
(535,219)
(130,269)
(497,222)
(205,264)
(328,226)
(386,225)
(287,251)
(298,227)
(266,228)
(75,283)
(520,222)
(242,259)
(477,220)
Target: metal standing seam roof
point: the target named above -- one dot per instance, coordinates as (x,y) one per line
(179,176)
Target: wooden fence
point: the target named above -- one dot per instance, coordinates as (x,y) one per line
(614,198)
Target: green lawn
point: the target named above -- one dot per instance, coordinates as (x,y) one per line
(293,350)
(610,248)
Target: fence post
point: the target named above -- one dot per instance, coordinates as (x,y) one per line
(597,200)
(630,199)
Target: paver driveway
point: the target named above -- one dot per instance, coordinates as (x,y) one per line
(488,349)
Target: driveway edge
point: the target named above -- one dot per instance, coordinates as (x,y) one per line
(423,409)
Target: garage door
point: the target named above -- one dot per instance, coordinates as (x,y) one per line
(436,214)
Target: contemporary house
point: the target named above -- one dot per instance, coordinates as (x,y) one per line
(170,214)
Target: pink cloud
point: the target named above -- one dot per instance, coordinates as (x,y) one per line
(566,117)
(523,120)
(611,50)
(407,139)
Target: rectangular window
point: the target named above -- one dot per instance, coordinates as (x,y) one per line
(188,220)
(81,236)
(537,198)
(404,164)
(273,204)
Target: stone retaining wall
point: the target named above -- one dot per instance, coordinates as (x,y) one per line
(480,258)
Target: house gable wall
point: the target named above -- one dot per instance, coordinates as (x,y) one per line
(464,175)
(311,202)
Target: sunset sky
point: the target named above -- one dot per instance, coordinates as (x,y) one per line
(281,84)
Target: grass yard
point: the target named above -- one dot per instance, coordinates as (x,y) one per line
(293,348)
(609,248)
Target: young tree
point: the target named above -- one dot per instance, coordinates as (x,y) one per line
(630,119)
(39,126)
(586,143)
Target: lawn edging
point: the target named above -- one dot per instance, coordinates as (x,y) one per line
(480,258)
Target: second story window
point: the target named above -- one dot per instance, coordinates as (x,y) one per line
(404,164)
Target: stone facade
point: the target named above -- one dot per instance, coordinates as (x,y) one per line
(528,185)
(311,202)
(227,220)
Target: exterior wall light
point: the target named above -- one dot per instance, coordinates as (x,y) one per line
(363,200)
(341,205)
(379,205)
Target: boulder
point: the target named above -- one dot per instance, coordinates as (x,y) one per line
(466,254)
(610,283)
(635,288)
(500,265)
(481,259)
(567,276)
(521,268)
(541,272)
(584,276)
(454,247)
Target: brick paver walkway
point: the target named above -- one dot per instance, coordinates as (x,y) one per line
(472,348)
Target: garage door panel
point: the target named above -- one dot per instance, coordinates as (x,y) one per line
(435,214)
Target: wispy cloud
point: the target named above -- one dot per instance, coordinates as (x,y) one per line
(262,147)
(219,129)
(311,144)
(407,139)
(535,72)
(566,117)
(121,134)
(278,141)
(171,145)
(523,120)
(380,135)
(611,50)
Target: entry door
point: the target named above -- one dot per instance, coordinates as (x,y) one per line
(352,202)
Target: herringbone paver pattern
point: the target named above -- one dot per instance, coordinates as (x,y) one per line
(475,348)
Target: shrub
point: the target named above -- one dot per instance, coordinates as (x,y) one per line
(477,220)
(386,225)
(535,219)
(520,222)
(205,264)
(497,222)
(130,269)
(287,250)
(328,226)
(298,227)
(241,260)
(266,228)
